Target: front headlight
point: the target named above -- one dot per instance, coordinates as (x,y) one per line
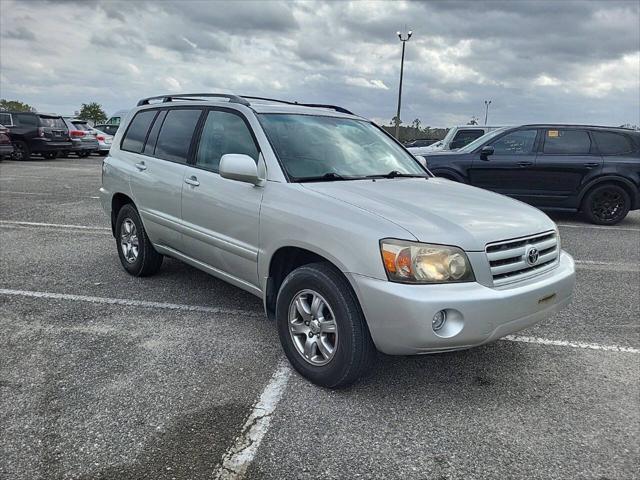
(412,262)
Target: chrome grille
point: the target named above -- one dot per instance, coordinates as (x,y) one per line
(514,260)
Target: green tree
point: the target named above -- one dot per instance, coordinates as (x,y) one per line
(92,111)
(15,106)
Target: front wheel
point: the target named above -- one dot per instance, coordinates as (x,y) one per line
(606,204)
(50,155)
(137,255)
(322,329)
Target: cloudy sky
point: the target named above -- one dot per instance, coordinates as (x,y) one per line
(538,61)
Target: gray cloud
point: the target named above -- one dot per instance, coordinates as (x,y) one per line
(19,33)
(537,60)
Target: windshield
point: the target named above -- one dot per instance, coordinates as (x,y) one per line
(313,146)
(481,140)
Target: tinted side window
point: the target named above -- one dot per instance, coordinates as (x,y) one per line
(5,119)
(25,120)
(519,142)
(465,137)
(567,142)
(133,140)
(610,143)
(176,133)
(150,146)
(224,133)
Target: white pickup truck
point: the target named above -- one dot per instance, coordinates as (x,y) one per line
(457,137)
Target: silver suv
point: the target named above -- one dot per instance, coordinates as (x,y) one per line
(351,243)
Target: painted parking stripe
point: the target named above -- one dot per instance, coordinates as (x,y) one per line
(240,455)
(51,225)
(130,303)
(260,314)
(606,266)
(565,343)
(598,227)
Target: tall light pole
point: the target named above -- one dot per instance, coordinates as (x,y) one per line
(403,40)
(486,110)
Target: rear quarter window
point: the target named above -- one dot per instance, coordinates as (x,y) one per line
(136,134)
(6,120)
(25,120)
(611,143)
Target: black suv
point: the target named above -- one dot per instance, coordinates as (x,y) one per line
(595,170)
(36,133)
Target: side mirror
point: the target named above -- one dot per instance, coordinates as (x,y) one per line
(422,160)
(486,151)
(240,167)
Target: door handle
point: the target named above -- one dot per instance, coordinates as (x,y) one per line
(591,164)
(525,164)
(192,180)
(141,166)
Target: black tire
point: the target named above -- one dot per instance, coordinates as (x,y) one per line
(83,154)
(354,351)
(147,261)
(606,204)
(63,154)
(21,150)
(50,155)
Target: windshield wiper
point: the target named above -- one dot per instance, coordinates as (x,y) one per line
(327,177)
(396,174)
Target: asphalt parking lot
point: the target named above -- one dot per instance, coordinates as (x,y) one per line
(105,376)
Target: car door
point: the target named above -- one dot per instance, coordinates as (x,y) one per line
(508,170)
(221,216)
(567,156)
(158,144)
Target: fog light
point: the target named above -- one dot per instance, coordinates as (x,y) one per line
(439,320)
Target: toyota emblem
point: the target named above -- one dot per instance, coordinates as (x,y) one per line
(532,255)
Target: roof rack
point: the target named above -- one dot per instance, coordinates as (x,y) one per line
(313,105)
(242,100)
(190,96)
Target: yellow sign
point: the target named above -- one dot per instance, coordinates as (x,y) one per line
(553,133)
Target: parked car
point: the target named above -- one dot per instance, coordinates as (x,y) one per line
(106,128)
(591,169)
(351,244)
(423,142)
(104,141)
(39,133)
(456,137)
(6,148)
(84,141)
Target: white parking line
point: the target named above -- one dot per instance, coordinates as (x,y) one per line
(565,343)
(240,455)
(599,227)
(608,266)
(51,225)
(129,303)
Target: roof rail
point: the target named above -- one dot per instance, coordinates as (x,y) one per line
(242,100)
(313,105)
(190,96)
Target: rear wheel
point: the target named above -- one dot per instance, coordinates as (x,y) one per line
(322,328)
(137,255)
(21,150)
(83,154)
(606,204)
(63,154)
(50,155)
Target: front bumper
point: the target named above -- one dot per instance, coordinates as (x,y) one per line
(400,315)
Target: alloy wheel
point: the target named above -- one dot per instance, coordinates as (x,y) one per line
(607,205)
(313,328)
(129,240)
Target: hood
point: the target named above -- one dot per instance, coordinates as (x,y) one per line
(441,211)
